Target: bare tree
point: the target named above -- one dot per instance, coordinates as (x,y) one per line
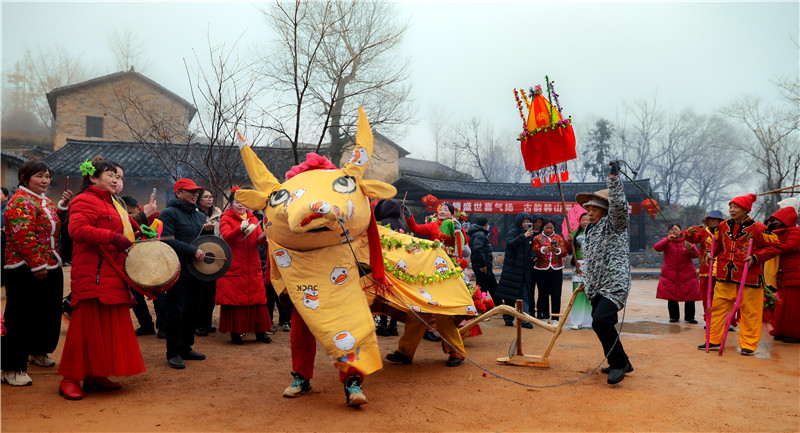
(773,148)
(710,174)
(223,90)
(437,121)
(127,50)
(476,149)
(340,54)
(42,70)
(636,139)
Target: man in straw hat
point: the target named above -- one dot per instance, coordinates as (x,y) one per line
(730,250)
(606,268)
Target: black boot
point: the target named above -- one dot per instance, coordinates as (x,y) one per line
(262,337)
(236,338)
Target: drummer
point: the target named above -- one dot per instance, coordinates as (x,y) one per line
(185,222)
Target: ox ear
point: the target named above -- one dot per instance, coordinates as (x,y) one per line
(262,179)
(251,198)
(362,152)
(376,189)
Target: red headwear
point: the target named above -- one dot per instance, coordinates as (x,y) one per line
(744,201)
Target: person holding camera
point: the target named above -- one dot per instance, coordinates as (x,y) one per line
(516,279)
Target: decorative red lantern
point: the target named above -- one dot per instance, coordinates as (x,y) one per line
(431,202)
(651,207)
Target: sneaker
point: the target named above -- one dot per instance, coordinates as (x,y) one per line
(237,339)
(262,337)
(286,327)
(527,325)
(692,321)
(575,327)
(42,360)
(745,352)
(298,386)
(201,332)
(16,378)
(352,390)
(710,346)
(454,361)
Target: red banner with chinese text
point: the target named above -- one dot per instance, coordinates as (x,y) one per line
(515,207)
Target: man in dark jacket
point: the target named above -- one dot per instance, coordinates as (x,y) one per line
(184,221)
(482,255)
(517,277)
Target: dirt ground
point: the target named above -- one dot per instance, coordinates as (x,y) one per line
(674,387)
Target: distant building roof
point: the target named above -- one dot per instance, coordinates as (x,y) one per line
(139,161)
(417,187)
(13,157)
(55,93)
(424,168)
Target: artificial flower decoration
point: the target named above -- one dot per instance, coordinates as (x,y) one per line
(86,168)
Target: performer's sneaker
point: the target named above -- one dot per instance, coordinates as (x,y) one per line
(745,352)
(41,360)
(710,346)
(299,386)
(16,378)
(352,390)
(398,357)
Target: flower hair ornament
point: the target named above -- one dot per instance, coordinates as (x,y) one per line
(86,168)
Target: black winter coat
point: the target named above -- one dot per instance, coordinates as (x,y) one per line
(517,276)
(480,246)
(184,221)
(388,212)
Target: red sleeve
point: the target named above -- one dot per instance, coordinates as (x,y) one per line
(767,249)
(84,213)
(422,230)
(230,229)
(660,245)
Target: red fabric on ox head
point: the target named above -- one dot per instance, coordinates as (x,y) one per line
(312,162)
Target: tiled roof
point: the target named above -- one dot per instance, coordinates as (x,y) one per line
(418,186)
(424,168)
(13,158)
(55,93)
(138,160)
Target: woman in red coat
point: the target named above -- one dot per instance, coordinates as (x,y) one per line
(240,292)
(678,281)
(787,313)
(100,340)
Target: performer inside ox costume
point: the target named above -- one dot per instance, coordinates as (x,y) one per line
(322,236)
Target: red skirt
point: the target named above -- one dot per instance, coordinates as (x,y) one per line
(100,342)
(243,319)
(787,313)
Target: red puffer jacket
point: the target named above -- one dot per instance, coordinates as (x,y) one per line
(789,272)
(243,284)
(93,222)
(678,276)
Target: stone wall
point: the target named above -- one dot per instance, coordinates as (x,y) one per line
(109,100)
(384,164)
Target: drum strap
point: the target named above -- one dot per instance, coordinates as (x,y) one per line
(118,269)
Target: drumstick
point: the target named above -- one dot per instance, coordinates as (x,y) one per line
(215,258)
(163,238)
(66,184)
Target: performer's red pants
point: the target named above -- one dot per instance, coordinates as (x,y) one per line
(304,350)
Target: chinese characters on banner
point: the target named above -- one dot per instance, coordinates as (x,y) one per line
(515,207)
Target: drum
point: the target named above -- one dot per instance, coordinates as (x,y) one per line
(152,266)
(217,261)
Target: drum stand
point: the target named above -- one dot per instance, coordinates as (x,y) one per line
(515,353)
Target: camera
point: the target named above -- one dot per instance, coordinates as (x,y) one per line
(529,226)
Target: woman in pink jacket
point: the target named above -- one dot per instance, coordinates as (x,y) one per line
(678,281)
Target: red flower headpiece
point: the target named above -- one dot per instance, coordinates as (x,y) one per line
(312,162)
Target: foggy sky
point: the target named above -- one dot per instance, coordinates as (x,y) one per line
(466,57)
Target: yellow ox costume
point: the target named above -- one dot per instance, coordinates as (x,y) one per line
(321,232)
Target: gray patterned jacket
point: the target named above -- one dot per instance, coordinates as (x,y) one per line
(606,267)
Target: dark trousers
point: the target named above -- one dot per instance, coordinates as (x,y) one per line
(530,302)
(527,302)
(182,306)
(604,317)
(675,310)
(486,281)
(284,312)
(32,316)
(549,282)
(142,312)
(208,295)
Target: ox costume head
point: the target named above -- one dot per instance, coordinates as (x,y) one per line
(309,210)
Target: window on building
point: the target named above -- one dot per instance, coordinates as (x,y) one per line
(94,126)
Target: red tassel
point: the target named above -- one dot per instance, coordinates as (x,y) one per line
(553,178)
(565,175)
(536,182)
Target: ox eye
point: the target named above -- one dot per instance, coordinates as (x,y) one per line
(278,197)
(345,185)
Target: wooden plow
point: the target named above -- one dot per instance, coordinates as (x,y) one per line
(515,354)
